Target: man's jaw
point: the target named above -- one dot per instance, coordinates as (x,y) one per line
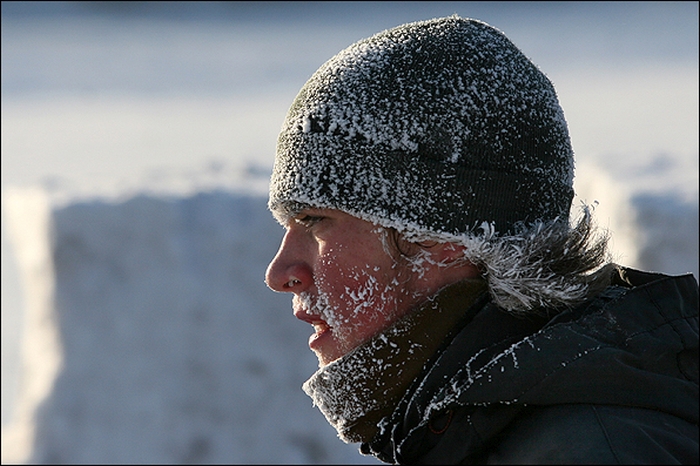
(326,339)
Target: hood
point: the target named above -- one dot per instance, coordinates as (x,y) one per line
(634,345)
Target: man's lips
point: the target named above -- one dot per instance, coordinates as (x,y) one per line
(304,316)
(320,326)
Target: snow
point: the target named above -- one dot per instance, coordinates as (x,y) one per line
(136,153)
(347,116)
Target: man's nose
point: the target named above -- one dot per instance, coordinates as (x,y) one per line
(289,271)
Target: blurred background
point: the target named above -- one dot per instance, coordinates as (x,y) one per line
(137,142)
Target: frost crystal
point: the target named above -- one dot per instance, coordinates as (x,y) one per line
(437,128)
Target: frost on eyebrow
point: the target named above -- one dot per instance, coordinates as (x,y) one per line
(285,212)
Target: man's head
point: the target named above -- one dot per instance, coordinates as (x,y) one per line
(439,131)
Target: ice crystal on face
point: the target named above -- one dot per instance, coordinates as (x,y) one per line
(365,299)
(349,388)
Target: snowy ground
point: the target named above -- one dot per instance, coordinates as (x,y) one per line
(136,146)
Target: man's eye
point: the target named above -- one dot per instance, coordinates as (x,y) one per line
(308,221)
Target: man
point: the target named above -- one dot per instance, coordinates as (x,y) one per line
(424,179)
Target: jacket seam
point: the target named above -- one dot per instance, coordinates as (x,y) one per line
(670,321)
(657,327)
(605,433)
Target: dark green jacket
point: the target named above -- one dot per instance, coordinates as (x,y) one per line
(613,381)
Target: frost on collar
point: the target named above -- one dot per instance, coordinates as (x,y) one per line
(434,128)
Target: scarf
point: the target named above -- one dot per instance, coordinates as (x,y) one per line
(356,391)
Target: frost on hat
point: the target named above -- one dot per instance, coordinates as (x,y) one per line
(433,128)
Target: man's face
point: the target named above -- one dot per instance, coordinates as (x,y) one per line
(345,281)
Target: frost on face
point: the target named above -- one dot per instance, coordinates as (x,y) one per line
(358,302)
(357,390)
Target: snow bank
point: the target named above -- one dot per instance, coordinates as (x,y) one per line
(169,347)
(39,344)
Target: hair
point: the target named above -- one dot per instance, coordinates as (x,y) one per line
(542,269)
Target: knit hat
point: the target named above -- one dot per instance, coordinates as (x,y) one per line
(440,129)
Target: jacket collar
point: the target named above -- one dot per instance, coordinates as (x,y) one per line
(356,391)
(597,353)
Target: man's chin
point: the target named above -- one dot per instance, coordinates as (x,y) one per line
(327,354)
(325,358)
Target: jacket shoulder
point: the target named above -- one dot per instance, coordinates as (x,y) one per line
(595,434)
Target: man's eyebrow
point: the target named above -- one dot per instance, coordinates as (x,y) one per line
(287,211)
